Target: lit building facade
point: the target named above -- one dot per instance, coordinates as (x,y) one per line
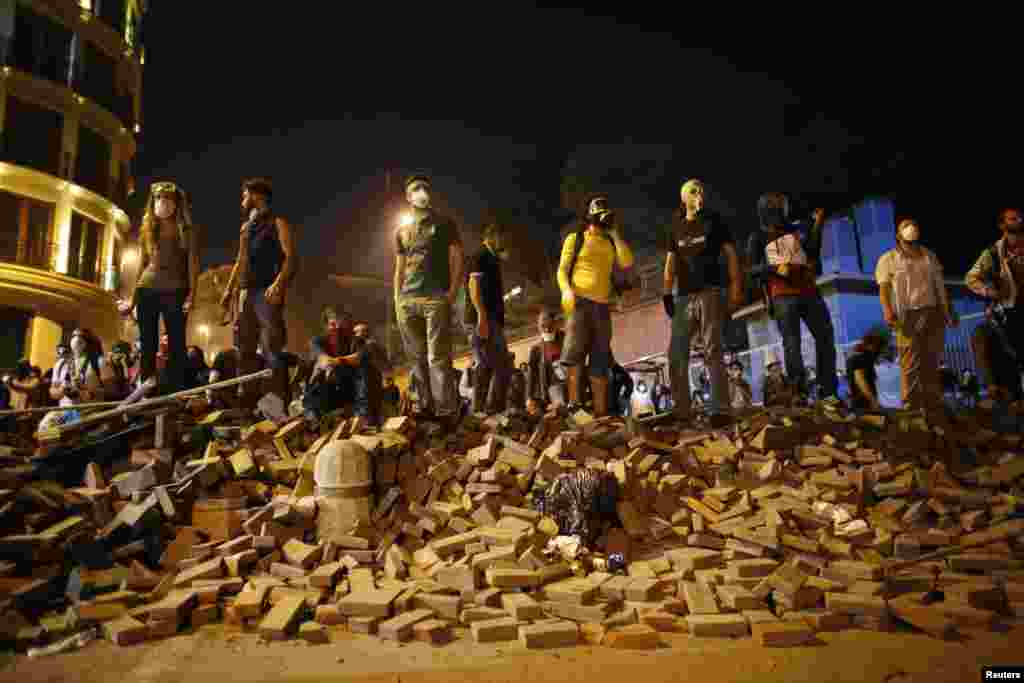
(70,110)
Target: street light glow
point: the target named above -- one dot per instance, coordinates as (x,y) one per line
(204,329)
(128,257)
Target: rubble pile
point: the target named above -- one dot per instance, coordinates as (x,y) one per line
(788,523)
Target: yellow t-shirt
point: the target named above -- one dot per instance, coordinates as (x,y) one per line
(592,276)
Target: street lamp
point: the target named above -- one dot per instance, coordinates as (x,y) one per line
(128,258)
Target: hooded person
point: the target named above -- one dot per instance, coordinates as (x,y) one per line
(427,280)
(586,268)
(784,257)
(915,304)
(168,281)
(998,276)
(694,298)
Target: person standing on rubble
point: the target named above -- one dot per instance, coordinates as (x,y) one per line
(697,242)
(589,257)
(915,305)
(998,275)
(263,272)
(485,316)
(784,256)
(170,278)
(427,279)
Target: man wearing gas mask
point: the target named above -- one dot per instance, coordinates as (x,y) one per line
(428,275)
(263,271)
(585,277)
(697,243)
(998,275)
(783,257)
(486,317)
(545,377)
(915,305)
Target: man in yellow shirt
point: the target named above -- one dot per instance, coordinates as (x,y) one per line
(585,279)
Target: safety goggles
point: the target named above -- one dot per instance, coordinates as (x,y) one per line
(599,204)
(165,187)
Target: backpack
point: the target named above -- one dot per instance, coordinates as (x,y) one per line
(620,281)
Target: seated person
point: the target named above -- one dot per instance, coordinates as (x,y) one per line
(79,379)
(342,379)
(225,366)
(516,388)
(860,367)
(740,393)
(118,371)
(545,378)
(24,387)
(778,391)
(994,357)
(621,390)
(197,372)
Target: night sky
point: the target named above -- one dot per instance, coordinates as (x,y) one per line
(495,103)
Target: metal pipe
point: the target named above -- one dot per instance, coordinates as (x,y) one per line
(80,406)
(160,400)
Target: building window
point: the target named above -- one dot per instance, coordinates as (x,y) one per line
(13,333)
(84,248)
(95,77)
(42,47)
(32,136)
(26,227)
(92,169)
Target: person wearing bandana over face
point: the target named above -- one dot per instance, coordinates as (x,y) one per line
(543,382)
(263,272)
(998,275)
(589,257)
(80,379)
(486,317)
(168,281)
(740,394)
(785,257)
(915,305)
(697,242)
(427,279)
(331,383)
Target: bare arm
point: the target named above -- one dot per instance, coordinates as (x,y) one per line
(454,269)
(861,379)
(289,267)
(193,262)
(623,254)
(399,275)
(885,296)
(563,263)
(670,273)
(732,260)
(476,298)
(940,285)
(979,274)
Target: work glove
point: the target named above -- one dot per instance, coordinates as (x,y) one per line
(670,305)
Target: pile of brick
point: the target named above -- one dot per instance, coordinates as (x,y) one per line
(789,523)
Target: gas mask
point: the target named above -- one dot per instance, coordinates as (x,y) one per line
(773,211)
(599,213)
(164,207)
(62,352)
(548,336)
(78,345)
(419,197)
(909,232)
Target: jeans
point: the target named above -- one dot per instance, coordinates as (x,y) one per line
(703,314)
(346,385)
(152,305)
(425,325)
(262,323)
(789,312)
(493,373)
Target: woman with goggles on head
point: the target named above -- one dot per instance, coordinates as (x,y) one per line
(168,281)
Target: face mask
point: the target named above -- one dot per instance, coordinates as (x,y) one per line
(772,217)
(164,208)
(548,336)
(420,198)
(910,233)
(78,345)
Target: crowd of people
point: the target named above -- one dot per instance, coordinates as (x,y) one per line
(572,364)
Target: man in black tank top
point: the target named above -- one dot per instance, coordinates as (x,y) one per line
(263,272)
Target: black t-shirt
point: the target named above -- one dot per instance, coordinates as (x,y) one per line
(698,246)
(226,364)
(491,289)
(865,361)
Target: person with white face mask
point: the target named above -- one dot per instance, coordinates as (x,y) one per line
(168,281)
(545,378)
(915,304)
(427,280)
